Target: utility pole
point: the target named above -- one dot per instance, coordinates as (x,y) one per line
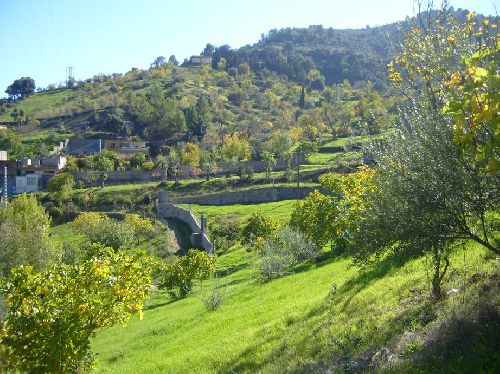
(5,187)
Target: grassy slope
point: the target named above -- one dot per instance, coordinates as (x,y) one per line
(37,103)
(291,324)
(279,210)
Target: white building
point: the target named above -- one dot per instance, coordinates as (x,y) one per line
(28,183)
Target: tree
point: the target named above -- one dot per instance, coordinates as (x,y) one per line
(21,88)
(25,233)
(199,117)
(208,164)
(111,233)
(178,276)
(53,315)
(103,164)
(258,228)
(174,164)
(137,160)
(160,117)
(85,222)
(158,62)
(208,50)
(191,155)
(459,70)
(140,226)
(428,193)
(332,217)
(9,140)
(314,216)
(269,161)
(235,148)
(172,60)
(302,99)
(61,186)
(17,116)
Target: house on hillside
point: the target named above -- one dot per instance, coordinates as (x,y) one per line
(28,183)
(200,60)
(36,172)
(126,147)
(49,165)
(83,147)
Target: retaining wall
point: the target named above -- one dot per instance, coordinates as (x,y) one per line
(252,196)
(138,176)
(167,210)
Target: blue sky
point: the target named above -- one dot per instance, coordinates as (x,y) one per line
(40,38)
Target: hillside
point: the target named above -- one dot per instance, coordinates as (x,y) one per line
(326,315)
(293,206)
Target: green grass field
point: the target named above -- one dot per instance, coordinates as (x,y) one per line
(325,308)
(279,210)
(38,103)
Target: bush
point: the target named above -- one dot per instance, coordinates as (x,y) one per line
(258,227)
(178,276)
(280,253)
(148,165)
(225,232)
(141,227)
(215,297)
(53,315)
(111,233)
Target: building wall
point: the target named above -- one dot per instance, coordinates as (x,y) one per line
(28,183)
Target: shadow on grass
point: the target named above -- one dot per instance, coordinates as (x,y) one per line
(345,345)
(159,304)
(248,361)
(223,273)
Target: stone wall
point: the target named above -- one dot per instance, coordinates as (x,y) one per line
(167,210)
(139,176)
(119,177)
(252,196)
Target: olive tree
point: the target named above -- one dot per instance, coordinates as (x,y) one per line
(429,192)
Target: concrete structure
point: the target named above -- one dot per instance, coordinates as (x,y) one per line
(125,176)
(3,155)
(198,237)
(83,147)
(28,183)
(58,149)
(49,165)
(126,147)
(251,196)
(200,60)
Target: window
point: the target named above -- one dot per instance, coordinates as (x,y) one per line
(32,181)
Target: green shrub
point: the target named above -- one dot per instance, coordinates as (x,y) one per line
(214,298)
(178,276)
(111,233)
(258,227)
(225,232)
(281,252)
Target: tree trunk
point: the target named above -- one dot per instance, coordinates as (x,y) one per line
(439,271)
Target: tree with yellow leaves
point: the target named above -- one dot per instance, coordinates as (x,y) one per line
(53,315)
